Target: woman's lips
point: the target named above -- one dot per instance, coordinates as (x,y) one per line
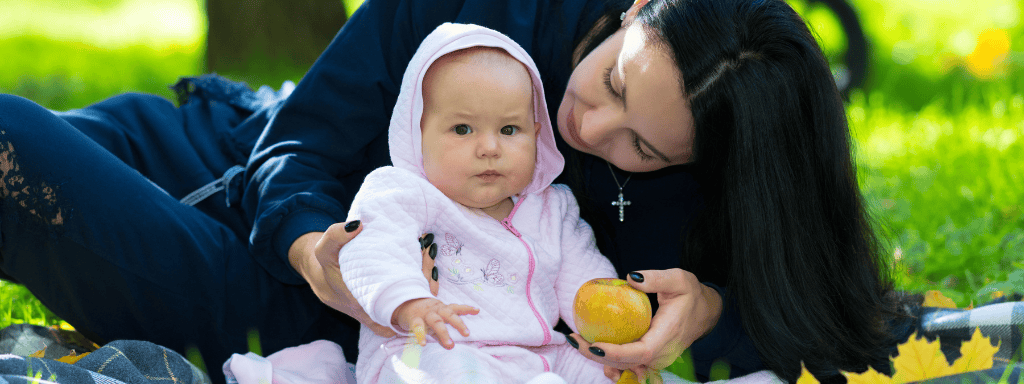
(574,132)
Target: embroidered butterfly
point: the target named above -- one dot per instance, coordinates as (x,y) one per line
(454,246)
(492,274)
(460,272)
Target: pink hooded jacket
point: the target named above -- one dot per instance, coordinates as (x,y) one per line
(522,272)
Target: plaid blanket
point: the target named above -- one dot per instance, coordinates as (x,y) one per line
(122,361)
(130,361)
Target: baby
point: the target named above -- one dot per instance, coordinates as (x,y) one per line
(474,157)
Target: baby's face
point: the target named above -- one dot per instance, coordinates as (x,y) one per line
(479,135)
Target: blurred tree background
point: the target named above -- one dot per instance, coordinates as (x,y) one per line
(937,124)
(246,37)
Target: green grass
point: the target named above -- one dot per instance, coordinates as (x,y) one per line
(63,75)
(946,190)
(18,306)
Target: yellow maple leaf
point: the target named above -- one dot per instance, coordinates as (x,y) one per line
(976,354)
(871,376)
(919,359)
(937,299)
(805,376)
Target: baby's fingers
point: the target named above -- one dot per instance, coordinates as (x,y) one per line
(452,317)
(439,325)
(461,309)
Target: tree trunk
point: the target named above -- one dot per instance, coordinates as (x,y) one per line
(269,41)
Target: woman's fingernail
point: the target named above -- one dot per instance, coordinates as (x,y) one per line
(433,251)
(351,226)
(572,342)
(636,276)
(426,241)
(433,273)
(597,351)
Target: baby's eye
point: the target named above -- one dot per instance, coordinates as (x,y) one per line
(462,129)
(509,130)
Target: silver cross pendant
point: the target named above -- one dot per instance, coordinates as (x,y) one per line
(621,203)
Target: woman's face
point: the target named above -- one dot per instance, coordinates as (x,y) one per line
(624,103)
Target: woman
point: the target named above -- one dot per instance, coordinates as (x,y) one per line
(708,146)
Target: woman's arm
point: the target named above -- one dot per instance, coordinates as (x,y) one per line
(331,132)
(315,257)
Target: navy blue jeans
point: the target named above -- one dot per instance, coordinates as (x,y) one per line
(91,223)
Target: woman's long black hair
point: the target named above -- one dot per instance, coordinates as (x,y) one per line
(784,219)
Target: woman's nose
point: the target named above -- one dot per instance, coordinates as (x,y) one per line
(595,126)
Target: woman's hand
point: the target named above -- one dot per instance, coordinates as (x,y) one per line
(315,257)
(687,310)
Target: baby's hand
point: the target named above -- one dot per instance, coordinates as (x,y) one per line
(416,315)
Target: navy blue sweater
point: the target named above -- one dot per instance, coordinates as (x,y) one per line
(332,131)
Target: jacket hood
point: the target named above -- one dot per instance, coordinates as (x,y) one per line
(405,137)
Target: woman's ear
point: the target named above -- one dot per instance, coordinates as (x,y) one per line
(630,14)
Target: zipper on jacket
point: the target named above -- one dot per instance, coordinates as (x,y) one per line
(507,223)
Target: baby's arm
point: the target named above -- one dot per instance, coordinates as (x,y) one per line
(581,260)
(415,315)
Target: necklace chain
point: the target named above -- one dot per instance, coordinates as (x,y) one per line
(621,202)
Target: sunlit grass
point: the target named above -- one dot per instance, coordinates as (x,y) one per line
(108,24)
(63,75)
(18,306)
(946,189)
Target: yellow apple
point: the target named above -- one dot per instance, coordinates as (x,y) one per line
(611,311)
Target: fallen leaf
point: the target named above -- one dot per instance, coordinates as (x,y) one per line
(871,376)
(72,358)
(976,354)
(919,359)
(805,376)
(936,299)
(40,353)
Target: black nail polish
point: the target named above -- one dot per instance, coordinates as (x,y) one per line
(352,226)
(597,351)
(433,273)
(572,342)
(433,251)
(636,276)
(426,241)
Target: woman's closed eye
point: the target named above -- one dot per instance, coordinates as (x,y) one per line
(608,83)
(640,150)
(636,137)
